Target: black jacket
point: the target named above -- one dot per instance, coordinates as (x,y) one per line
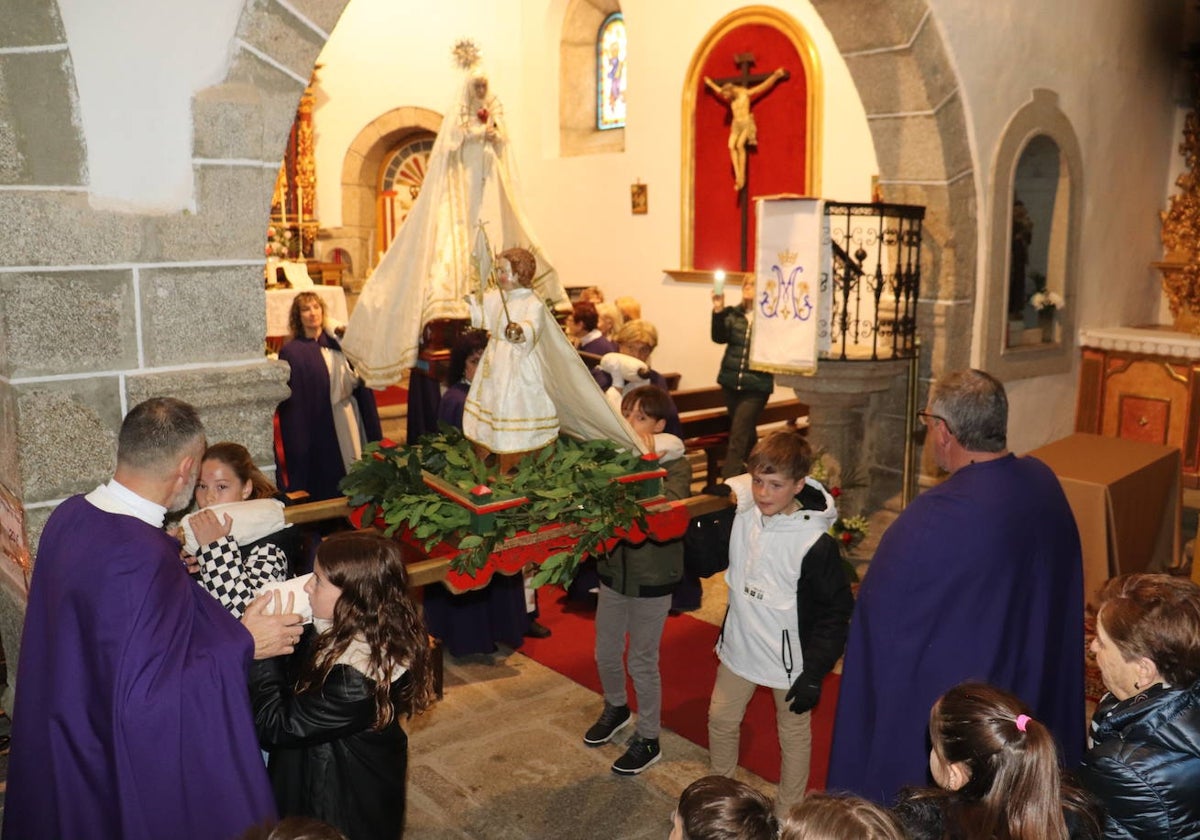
(1145,764)
(731,327)
(326,761)
(929,814)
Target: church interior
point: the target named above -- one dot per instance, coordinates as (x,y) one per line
(158,161)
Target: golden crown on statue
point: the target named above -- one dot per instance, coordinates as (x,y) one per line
(787,257)
(466,53)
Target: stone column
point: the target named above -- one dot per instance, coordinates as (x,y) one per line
(839,398)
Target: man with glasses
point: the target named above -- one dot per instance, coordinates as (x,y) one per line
(979,578)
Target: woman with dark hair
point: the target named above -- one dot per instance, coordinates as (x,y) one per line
(330,415)
(330,713)
(583,328)
(464,362)
(997,775)
(1144,762)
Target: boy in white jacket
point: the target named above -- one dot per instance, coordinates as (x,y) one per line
(789,607)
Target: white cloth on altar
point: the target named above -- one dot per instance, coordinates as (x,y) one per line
(438,257)
(788,260)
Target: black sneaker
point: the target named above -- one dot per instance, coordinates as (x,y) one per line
(612,719)
(641,754)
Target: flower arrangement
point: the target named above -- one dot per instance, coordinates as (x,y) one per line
(849,531)
(1041,299)
(279,246)
(1046,300)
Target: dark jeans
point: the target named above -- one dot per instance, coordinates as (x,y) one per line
(744,408)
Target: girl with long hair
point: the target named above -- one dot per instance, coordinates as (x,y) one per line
(329,714)
(997,773)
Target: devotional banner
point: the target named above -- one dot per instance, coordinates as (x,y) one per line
(785,337)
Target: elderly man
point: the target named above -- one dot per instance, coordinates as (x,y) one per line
(980,578)
(132,717)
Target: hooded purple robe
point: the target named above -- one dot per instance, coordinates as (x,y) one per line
(310,445)
(132,717)
(980,578)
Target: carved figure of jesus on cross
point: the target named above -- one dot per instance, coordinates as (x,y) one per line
(740,91)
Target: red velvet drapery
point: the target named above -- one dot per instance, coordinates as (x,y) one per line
(776,165)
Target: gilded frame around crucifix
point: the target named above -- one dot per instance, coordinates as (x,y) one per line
(693,84)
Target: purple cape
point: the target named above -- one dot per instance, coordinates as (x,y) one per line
(132,717)
(980,578)
(310,446)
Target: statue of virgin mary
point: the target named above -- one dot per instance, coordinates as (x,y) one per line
(439,255)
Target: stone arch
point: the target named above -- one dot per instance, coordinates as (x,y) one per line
(360,176)
(914,109)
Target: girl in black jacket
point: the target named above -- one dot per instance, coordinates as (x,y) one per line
(329,713)
(997,773)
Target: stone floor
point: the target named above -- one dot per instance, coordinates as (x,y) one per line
(502,757)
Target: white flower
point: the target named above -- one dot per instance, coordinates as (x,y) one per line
(1046,300)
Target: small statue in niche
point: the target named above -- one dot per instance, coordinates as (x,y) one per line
(743,131)
(1022,236)
(508,409)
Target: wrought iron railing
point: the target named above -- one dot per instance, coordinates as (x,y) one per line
(873,280)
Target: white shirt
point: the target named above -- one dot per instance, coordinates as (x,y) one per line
(115,497)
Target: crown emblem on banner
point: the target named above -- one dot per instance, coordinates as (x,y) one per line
(787,257)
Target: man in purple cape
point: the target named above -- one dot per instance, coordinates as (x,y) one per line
(980,578)
(132,716)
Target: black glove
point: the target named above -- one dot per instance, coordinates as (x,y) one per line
(804,694)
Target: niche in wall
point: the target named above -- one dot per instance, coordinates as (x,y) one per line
(1032,261)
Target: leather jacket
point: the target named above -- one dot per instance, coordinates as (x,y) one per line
(1145,763)
(325,759)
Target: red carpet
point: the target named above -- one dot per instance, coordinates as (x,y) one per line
(689,668)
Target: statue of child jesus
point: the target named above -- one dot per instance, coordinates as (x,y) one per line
(508,410)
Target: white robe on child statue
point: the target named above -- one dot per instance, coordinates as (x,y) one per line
(508,408)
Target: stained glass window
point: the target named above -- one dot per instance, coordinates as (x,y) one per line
(610,73)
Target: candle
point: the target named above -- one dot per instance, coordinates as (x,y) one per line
(718,282)
(299,203)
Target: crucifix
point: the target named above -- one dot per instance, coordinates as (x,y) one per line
(740,91)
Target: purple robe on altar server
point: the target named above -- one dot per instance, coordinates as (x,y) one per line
(132,716)
(980,578)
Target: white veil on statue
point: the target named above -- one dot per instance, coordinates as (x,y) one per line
(437,257)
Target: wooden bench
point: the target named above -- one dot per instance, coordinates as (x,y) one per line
(705,421)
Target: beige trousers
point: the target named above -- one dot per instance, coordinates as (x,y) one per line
(730,695)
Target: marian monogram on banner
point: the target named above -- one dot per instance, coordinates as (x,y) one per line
(787,305)
(787,292)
